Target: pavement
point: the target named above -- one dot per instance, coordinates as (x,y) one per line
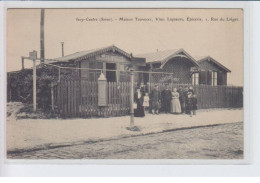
(37,134)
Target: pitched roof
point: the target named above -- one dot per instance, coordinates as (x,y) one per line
(157,56)
(209,58)
(89,53)
(164,56)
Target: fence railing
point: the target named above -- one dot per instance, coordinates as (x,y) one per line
(79,98)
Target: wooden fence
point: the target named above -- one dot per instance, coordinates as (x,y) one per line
(80,98)
(212,96)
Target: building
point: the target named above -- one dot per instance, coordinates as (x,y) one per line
(212,72)
(178,62)
(113,61)
(185,69)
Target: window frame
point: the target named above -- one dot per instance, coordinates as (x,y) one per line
(214,78)
(195,78)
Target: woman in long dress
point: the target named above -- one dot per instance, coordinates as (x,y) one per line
(175,103)
(139,99)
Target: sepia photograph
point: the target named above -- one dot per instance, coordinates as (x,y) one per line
(115,83)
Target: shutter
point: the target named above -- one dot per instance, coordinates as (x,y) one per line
(203,77)
(224,78)
(209,77)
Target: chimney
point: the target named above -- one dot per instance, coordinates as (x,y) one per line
(62,49)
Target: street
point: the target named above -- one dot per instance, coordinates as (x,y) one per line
(215,142)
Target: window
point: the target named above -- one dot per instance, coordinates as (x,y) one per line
(195,78)
(214,78)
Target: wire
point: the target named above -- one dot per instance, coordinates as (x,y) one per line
(73,68)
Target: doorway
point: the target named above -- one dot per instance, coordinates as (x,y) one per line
(111,75)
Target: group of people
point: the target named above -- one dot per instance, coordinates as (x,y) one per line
(176,101)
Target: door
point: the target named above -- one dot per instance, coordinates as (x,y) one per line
(111,75)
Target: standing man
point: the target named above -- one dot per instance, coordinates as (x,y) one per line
(155,100)
(185,99)
(166,99)
(181,98)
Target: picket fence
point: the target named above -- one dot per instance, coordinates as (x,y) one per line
(79,98)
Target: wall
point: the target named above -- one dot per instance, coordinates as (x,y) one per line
(205,75)
(180,67)
(99,62)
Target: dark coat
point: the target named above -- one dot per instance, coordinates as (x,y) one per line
(139,111)
(181,95)
(166,97)
(155,96)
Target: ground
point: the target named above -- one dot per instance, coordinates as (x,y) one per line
(215,142)
(32,135)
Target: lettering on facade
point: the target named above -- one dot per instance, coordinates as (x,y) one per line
(110,58)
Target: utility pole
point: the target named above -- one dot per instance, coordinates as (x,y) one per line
(33,57)
(42,53)
(62,49)
(34,86)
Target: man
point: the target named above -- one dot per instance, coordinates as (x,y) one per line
(181,98)
(155,100)
(185,99)
(166,99)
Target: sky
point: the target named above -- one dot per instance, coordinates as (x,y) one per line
(206,35)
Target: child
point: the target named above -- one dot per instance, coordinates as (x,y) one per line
(146,101)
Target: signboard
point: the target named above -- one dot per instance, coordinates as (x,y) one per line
(194,69)
(33,55)
(102,90)
(102,93)
(138,61)
(111,58)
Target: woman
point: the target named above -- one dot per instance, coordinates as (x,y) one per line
(139,99)
(175,103)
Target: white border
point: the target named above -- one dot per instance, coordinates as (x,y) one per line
(44,168)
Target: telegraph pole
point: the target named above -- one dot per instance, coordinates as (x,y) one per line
(34,85)
(33,57)
(42,53)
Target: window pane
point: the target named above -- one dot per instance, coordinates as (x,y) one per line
(196,78)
